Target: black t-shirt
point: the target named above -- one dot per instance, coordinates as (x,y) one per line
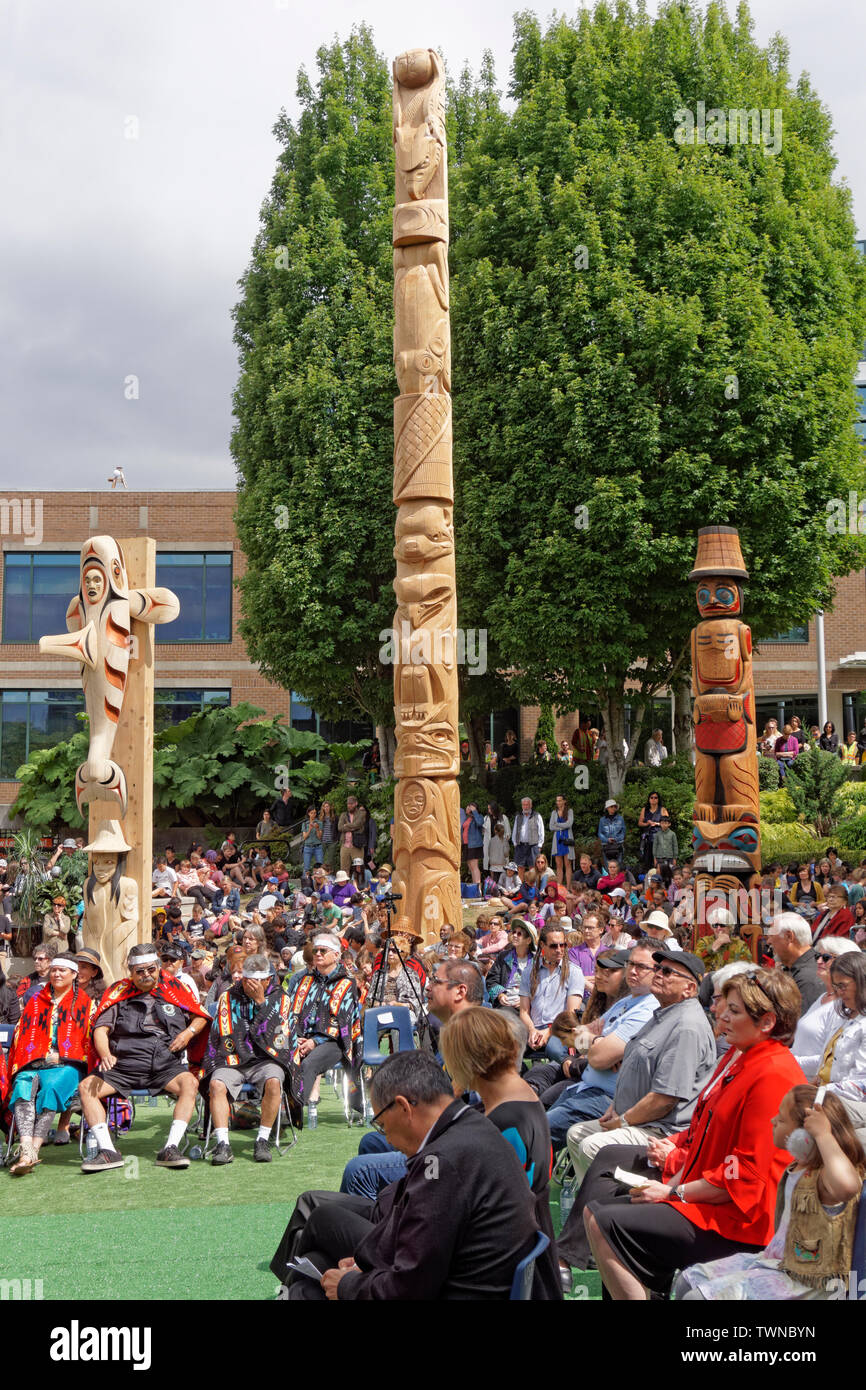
(524,1124)
(509,754)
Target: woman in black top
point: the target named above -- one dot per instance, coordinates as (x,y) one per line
(480,1051)
(509,752)
(649,822)
(829,740)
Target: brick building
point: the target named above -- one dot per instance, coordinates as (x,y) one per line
(201,659)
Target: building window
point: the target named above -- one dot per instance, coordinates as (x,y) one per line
(203,584)
(37,589)
(172,706)
(303,716)
(34,719)
(791,637)
(860,392)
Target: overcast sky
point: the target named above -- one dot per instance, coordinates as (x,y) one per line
(120,257)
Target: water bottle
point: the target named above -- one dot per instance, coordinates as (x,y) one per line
(312,1116)
(566,1201)
(91,1147)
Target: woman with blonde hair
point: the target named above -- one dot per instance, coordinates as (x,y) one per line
(481,1051)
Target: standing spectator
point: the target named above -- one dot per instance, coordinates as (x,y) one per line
(797,731)
(328,822)
(465,752)
(562,840)
(582,742)
(542,752)
(472,835)
(655,751)
(280,812)
(527,834)
(666,850)
(649,822)
(509,753)
(564,755)
(56,925)
(850,751)
(490,757)
(497,848)
(829,739)
(352,828)
(312,836)
(611,831)
(266,826)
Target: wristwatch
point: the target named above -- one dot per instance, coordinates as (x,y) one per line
(676,1194)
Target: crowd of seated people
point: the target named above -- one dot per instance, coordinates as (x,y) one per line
(589,1018)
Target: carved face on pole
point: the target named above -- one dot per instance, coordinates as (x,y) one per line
(104,866)
(93,584)
(719,598)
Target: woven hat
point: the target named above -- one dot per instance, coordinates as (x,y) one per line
(719,554)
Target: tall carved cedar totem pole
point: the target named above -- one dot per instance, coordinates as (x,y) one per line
(427,797)
(727,843)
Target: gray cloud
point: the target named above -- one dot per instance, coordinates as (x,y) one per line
(122,255)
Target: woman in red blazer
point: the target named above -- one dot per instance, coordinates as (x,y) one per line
(837,919)
(719,1177)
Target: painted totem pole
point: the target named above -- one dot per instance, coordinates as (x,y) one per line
(427,799)
(117,677)
(727,843)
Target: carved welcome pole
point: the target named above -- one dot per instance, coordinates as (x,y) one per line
(427,760)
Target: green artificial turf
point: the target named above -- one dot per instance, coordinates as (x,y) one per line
(144,1232)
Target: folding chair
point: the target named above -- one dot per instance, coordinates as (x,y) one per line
(563,1168)
(393,1021)
(284,1112)
(521,1284)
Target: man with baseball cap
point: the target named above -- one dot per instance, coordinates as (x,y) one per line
(248,1044)
(663,1069)
(141,1028)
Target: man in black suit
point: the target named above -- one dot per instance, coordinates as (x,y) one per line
(455,1227)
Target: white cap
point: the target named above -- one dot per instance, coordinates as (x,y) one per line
(610,802)
(268,900)
(616,893)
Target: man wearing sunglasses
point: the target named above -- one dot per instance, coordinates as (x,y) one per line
(141,1030)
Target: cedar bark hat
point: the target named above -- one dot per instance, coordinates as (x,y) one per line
(719,554)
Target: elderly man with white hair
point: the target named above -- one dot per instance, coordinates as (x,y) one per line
(790,938)
(325,1020)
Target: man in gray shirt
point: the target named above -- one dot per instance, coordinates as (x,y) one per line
(663,1070)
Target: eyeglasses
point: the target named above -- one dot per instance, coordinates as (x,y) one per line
(642,969)
(667,970)
(375,1122)
(144,969)
(555,945)
(323,950)
(820,955)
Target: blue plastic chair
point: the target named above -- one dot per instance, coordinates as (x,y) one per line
(394,1018)
(521,1284)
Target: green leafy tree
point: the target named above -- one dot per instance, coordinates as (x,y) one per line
(314,403)
(812,783)
(651,336)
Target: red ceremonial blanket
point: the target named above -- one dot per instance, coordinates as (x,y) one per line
(32,1038)
(169,991)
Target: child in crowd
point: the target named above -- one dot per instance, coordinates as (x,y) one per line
(810,1255)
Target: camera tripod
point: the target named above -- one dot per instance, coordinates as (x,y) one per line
(377,993)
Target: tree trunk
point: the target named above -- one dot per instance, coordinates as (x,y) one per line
(618,763)
(683,727)
(476,731)
(387,746)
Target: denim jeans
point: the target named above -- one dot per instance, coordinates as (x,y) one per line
(366,1175)
(577,1103)
(312,854)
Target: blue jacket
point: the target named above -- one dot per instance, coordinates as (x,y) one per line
(611,829)
(475,839)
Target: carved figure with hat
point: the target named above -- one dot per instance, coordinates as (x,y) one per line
(110,922)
